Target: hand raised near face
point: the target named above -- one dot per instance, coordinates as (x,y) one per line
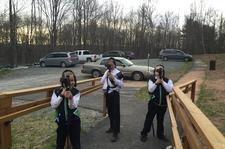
(110,76)
(158,81)
(68,95)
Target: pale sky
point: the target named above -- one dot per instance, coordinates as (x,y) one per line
(179,7)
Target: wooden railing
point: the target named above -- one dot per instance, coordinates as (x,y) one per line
(8,112)
(197,130)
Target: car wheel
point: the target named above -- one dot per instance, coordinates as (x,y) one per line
(137,76)
(185,59)
(42,64)
(96,73)
(89,60)
(165,58)
(63,64)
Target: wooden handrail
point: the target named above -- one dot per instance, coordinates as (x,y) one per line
(9,112)
(187,83)
(199,132)
(176,138)
(202,124)
(39,89)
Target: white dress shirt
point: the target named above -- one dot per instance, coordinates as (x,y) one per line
(73,103)
(118,82)
(168,86)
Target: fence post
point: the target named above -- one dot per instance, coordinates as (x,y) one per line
(193,91)
(93,83)
(5,128)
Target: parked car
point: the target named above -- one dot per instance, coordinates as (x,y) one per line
(86,56)
(114,54)
(166,54)
(63,59)
(129,70)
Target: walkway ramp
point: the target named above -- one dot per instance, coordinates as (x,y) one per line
(133,113)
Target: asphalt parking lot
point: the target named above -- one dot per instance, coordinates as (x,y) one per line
(36,76)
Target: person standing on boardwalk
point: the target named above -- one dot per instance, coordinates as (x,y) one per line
(158,87)
(65,100)
(112,81)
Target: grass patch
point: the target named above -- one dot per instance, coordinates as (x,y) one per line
(174,75)
(212,107)
(37,130)
(4,71)
(203,101)
(211,99)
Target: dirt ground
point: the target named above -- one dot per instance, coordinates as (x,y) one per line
(196,73)
(213,100)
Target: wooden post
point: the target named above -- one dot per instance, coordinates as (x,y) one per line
(5,128)
(104,106)
(93,83)
(193,91)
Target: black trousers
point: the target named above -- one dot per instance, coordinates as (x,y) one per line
(113,104)
(72,130)
(159,111)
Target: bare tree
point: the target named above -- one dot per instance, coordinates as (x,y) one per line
(54,11)
(13,32)
(4,28)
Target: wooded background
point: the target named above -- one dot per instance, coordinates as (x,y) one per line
(68,25)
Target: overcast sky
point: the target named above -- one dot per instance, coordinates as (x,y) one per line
(179,7)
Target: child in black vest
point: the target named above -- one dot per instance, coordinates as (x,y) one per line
(159,87)
(65,100)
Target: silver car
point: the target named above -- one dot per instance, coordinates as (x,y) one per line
(63,59)
(129,70)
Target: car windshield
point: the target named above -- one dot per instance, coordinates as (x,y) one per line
(127,62)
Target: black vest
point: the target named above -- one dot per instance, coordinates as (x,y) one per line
(60,110)
(159,94)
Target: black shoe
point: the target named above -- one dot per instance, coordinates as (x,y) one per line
(163,138)
(109,130)
(114,138)
(144,138)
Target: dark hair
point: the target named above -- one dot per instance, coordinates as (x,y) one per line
(64,75)
(113,59)
(163,70)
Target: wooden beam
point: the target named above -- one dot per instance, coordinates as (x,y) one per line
(192,137)
(212,136)
(175,133)
(186,84)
